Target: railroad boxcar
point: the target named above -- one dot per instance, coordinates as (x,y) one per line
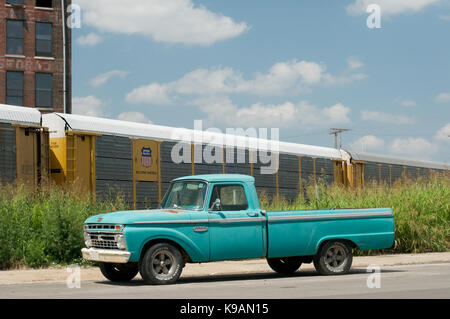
(136,159)
(24,146)
(386,169)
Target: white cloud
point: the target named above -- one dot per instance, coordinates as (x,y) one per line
(368,142)
(174,21)
(90,39)
(337,114)
(153,93)
(221,110)
(389,7)
(417,148)
(354,63)
(102,78)
(344,79)
(406,102)
(386,118)
(88,105)
(134,117)
(283,78)
(443,134)
(442,98)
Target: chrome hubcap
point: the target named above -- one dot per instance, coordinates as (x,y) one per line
(335,257)
(162,264)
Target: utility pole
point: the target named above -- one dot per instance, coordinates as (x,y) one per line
(336,132)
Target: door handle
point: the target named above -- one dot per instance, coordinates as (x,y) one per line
(200,229)
(252,214)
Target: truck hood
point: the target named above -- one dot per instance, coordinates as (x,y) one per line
(136,216)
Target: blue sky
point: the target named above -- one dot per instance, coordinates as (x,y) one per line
(302,66)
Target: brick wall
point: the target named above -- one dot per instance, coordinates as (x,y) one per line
(29,63)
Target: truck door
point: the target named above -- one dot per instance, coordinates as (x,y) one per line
(235,227)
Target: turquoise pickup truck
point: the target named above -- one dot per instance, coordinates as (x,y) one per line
(218,217)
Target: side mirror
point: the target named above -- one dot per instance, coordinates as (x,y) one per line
(216,204)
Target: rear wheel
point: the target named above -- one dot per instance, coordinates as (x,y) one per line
(161,264)
(119,272)
(285,265)
(334,258)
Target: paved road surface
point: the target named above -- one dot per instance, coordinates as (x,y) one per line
(403,281)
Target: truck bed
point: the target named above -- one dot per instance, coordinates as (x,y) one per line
(301,232)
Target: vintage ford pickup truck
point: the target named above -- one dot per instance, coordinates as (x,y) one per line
(218,217)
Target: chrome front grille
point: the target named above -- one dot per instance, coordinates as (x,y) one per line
(103,240)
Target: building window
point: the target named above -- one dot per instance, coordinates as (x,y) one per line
(14,88)
(43,90)
(44,3)
(43,39)
(15,2)
(14,37)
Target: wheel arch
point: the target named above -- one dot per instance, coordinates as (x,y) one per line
(347,241)
(154,241)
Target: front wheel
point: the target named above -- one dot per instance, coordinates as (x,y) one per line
(334,258)
(119,272)
(162,264)
(285,265)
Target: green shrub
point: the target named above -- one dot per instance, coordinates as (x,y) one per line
(39,228)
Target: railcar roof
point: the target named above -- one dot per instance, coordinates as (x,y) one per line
(19,115)
(367,157)
(164,133)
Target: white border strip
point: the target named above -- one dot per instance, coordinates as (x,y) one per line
(330,216)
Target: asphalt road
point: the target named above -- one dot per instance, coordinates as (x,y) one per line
(404,281)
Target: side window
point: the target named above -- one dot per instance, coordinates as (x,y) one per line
(232,197)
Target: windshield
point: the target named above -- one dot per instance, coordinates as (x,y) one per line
(185,195)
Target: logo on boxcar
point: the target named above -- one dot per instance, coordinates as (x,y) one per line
(146,157)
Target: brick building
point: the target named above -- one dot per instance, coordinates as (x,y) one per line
(35,54)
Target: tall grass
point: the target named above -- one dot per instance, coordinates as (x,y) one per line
(421,208)
(43,227)
(40,228)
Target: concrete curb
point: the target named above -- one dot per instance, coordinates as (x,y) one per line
(256,266)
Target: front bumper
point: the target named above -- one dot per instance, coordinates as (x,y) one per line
(106,255)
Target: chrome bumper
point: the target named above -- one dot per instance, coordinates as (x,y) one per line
(106,255)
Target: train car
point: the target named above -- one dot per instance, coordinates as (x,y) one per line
(109,156)
(368,168)
(24,146)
